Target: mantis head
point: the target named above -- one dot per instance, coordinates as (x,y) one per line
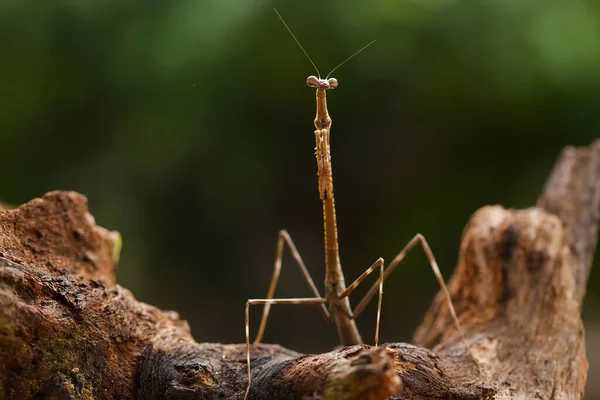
(319,83)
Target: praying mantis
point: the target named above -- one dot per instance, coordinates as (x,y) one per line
(335,305)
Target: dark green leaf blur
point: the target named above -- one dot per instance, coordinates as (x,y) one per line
(188,124)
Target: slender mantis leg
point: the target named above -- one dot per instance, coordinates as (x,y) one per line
(418,238)
(310,300)
(284,238)
(377,264)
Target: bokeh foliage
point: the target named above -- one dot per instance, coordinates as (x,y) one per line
(189,127)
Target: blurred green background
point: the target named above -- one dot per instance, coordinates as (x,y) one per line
(188,124)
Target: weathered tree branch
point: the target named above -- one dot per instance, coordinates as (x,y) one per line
(68,331)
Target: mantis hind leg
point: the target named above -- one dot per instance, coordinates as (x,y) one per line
(284,238)
(417,239)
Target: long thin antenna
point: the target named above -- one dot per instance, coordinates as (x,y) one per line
(297,41)
(343,62)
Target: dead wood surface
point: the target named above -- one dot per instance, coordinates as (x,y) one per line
(67,331)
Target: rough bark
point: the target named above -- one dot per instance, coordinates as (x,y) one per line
(68,331)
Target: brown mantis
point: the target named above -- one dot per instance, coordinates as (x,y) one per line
(336,296)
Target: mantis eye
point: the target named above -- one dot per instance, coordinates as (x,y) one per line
(312,81)
(333,83)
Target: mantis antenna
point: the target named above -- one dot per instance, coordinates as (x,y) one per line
(297,41)
(343,62)
(310,59)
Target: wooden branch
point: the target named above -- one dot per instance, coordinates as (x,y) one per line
(68,331)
